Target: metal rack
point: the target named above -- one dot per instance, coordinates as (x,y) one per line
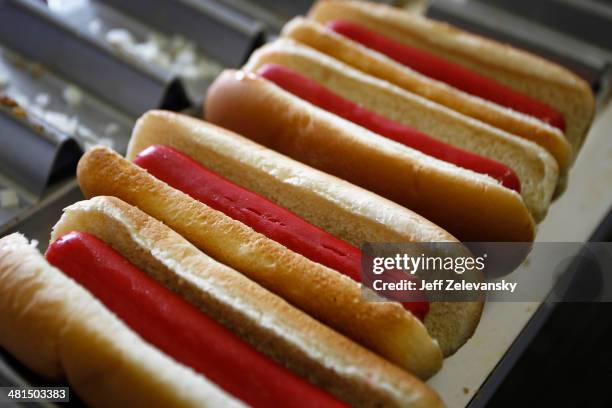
(84,70)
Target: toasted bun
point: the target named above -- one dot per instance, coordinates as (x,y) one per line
(59,330)
(378,65)
(520,70)
(346,211)
(535,167)
(481,210)
(336,300)
(341,208)
(284,333)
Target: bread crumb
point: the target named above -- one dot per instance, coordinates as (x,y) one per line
(94,26)
(19,112)
(42,99)
(62,122)
(72,95)
(8,198)
(466,390)
(10,103)
(7,101)
(176,54)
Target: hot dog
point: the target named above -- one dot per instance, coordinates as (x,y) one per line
(265,217)
(387,110)
(176,327)
(482,209)
(507,76)
(324,201)
(318,95)
(141,305)
(450,73)
(386,328)
(319,37)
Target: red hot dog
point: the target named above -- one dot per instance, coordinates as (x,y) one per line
(264,216)
(318,95)
(177,328)
(451,73)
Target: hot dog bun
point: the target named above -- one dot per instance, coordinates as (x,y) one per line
(522,71)
(59,330)
(481,210)
(346,211)
(535,167)
(336,300)
(317,36)
(286,334)
(343,209)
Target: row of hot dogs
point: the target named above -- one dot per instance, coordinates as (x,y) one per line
(217,268)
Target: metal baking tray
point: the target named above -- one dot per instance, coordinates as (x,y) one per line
(275,13)
(44,122)
(90,62)
(204,21)
(466,377)
(183,38)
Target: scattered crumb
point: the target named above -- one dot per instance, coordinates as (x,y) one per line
(72,95)
(42,99)
(466,390)
(62,122)
(19,112)
(94,26)
(119,38)
(7,101)
(177,54)
(8,198)
(10,103)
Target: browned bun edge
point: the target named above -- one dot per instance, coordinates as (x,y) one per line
(315,35)
(536,169)
(59,330)
(384,327)
(267,322)
(321,199)
(480,210)
(520,70)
